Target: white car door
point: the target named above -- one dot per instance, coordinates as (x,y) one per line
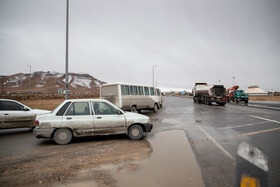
(107,119)
(15,115)
(79,118)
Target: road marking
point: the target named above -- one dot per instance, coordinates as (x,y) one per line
(245,125)
(265,119)
(258,132)
(218,145)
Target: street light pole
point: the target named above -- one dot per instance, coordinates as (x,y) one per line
(29,79)
(66,52)
(233,81)
(154,75)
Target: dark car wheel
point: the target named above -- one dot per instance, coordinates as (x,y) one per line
(62,136)
(135,132)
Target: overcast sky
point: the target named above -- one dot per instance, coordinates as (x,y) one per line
(121,40)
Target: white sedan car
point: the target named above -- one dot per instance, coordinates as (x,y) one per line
(14,114)
(90,117)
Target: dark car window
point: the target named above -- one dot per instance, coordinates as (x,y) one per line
(10,105)
(63,109)
(78,108)
(102,108)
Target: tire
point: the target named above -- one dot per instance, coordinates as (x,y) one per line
(246,101)
(62,136)
(133,109)
(207,101)
(195,100)
(155,109)
(135,132)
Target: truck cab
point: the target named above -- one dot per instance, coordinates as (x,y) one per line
(240,95)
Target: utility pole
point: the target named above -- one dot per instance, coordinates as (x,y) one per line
(233,81)
(66,52)
(154,75)
(29,79)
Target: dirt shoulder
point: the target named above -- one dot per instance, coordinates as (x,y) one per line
(56,164)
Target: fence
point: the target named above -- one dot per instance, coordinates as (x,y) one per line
(27,96)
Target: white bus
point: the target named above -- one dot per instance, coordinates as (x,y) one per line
(132,97)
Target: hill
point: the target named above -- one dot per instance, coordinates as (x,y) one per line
(49,82)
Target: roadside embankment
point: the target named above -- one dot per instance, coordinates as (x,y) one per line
(264,98)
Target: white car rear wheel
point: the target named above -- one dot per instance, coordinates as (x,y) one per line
(62,136)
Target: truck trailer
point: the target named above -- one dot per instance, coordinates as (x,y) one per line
(207,94)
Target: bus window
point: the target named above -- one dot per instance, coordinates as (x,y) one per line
(133,90)
(152,91)
(140,90)
(146,90)
(109,90)
(158,92)
(125,90)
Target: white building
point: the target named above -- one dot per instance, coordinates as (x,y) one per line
(255,90)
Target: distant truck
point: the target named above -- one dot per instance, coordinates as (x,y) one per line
(236,95)
(204,93)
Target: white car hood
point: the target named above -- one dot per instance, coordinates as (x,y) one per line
(132,117)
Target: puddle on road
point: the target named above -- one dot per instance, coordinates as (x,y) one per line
(171,163)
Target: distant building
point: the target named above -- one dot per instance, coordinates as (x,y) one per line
(255,90)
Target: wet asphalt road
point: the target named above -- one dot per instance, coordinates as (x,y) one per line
(214,133)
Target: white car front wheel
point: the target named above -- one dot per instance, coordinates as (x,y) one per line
(135,132)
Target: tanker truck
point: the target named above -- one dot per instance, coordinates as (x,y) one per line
(204,93)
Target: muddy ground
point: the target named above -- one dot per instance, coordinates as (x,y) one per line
(39,169)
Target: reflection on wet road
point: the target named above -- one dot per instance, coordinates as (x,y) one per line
(215,132)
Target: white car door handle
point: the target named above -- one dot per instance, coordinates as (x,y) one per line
(6,114)
(69,118)
(99,117)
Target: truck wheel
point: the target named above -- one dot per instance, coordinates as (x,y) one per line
(207,101)
(155,107)
(62,136)
(135,132)
(195,100)
(133,109)
(246,101)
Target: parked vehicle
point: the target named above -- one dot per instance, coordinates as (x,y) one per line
(204,93)
(14,114)
(236,95)
(132,97)
(90,117)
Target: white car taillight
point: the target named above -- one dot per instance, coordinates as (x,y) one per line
(37,123)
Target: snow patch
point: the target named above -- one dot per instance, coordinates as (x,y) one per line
(83,82)
(97,83)
(69,79)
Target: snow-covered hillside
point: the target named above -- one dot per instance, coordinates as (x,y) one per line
(49,82)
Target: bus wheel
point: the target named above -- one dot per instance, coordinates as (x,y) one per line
(155,107)
(133,109)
